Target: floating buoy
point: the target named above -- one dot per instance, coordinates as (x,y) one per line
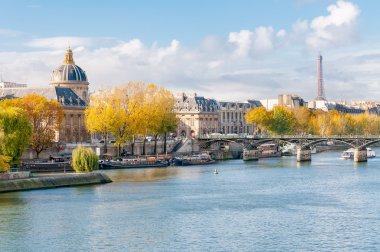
(216,171)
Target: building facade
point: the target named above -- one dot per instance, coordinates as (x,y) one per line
(232,117)
(197,115)
(72,82)
(69,87)
(7,84)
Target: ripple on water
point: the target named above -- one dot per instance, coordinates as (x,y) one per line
(328,204)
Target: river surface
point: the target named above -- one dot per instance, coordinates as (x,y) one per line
(270,205)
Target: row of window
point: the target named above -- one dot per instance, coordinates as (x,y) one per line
(231,116)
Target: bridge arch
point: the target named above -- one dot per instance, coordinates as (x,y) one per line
(327,139)
(223,140)
(368,144)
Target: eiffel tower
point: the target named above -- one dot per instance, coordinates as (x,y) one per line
(320,85)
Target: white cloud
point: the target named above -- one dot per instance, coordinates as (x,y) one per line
(242,40)
(244,64)
(259,41)
(336,28)
(281,33)
(263,39)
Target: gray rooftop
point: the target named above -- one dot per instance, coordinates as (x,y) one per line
(64,95)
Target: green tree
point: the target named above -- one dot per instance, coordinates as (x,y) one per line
(16,132)
(282,121)
(4,160)
(84,160)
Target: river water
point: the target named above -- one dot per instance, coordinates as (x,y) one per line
(270,205)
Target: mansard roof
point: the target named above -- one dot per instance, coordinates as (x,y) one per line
(64,95)
(194,103)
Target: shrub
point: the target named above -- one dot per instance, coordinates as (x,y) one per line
(84,160)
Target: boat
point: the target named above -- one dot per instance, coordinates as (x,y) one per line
(370,153)
(249,155)
(289,149)
(133,164)
(269,150)
(216,171)
(202,159)
(55,164)
(349,154)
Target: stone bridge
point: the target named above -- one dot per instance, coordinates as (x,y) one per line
(303,143)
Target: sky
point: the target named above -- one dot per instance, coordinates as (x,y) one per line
(228,50)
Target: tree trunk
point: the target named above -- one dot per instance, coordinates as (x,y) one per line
(118,149)
(105,145)
(144,146)
(165,143)
(133,146)
(155,144)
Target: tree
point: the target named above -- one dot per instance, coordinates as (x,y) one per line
(163,118)
(259,117)
(120,122)
(282,121)
(84,160)
(4,160)
(16,132)
(45,117)
(302,116)
(99,114)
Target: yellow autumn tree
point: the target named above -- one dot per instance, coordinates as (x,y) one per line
(99,115)
(45,117)
(259,117)
(163,119)
(303,116)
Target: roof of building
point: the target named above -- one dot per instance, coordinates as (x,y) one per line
(255,103)
(194,103)
(64,95)
(68,71)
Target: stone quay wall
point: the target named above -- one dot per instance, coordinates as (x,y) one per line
(14,175)
(54,181)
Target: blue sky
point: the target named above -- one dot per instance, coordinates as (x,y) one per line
(232,50)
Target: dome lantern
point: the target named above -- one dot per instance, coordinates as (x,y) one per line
(69,58)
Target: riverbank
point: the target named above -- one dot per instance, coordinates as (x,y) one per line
(53,181)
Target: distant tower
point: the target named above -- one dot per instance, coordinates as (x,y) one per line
(320,84)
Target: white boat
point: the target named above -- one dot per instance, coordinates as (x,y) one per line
(289,149)
(349,154)
(370,153)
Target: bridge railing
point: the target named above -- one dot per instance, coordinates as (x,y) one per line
(245,136)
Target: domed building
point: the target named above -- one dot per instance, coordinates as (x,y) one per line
(70,75)
(69,87)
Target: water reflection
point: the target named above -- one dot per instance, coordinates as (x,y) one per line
(327,204)
(142,175)
(11,199)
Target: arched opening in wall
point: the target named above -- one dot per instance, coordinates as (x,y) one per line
(84,95)
(183,133)
(192,133)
